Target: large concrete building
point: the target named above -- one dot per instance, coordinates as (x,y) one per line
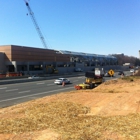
(31,60)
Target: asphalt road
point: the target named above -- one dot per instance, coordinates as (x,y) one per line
(11,94)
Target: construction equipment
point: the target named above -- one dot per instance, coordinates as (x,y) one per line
(82,86)
(35,24)
(51,70)
(99,71)
(93,79)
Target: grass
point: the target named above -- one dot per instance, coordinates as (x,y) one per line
(65,118)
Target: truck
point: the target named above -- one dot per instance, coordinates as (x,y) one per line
(92,79)
(99,71)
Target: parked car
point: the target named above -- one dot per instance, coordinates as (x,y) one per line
(132,70)
(137,67)
(106,74)
(78,70)
(33,77)
(59,81)
(120,73)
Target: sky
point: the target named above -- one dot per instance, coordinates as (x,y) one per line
(89,26)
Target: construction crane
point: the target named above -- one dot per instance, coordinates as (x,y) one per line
(35,24)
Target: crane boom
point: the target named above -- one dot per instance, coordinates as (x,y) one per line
(35,24)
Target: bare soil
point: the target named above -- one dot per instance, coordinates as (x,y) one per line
(106,112)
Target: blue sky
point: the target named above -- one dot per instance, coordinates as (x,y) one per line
(90,26)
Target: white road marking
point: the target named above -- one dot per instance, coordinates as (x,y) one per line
(3,88)
(81,77)
(35,94)
(40,83)
(75,80)
(24,91)
(49,84)
(26,83)
(11,90)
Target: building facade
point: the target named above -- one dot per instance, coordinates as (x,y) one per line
(31,60)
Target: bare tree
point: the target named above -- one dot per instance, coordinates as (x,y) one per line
(127,59)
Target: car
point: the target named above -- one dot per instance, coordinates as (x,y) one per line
(132,70)
(106,74)
(59,81)
(120,73)
(78,70)
(137,67)
(33,77)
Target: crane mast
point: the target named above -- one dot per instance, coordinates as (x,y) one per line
(35,24)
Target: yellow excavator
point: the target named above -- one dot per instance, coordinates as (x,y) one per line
(93,78)
(51,70)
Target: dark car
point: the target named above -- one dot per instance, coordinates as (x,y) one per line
(120,73)
(78,70)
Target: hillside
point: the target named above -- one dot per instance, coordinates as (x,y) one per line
(108,112)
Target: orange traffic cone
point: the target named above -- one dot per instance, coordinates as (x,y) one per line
(122,76)
(63,84)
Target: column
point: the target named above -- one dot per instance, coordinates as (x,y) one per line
(15,65)
(28,68)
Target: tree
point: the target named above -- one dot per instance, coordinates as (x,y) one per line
(127,59)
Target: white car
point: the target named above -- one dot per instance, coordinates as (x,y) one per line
(61,80)
(132,70)
(106,74)
(33,77)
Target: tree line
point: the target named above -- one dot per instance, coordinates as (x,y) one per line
(127,59)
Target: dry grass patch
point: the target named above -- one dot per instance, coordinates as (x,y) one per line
(65,118)
(120,85)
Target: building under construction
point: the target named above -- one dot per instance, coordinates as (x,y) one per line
(29,60)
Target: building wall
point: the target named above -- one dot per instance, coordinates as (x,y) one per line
(19,53)
(2,63)
(22,53)
(25,59)
(7,50)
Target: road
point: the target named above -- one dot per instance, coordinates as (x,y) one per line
(11,94)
